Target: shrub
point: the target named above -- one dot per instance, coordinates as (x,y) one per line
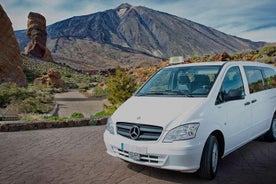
(92,121)
(30,117)
(55,118)
(120,87)
(99,92)
(9,91)
(268,60)
(31,75)
(268,50)
(31,100)
(108,111)
(82,87)
(77,115)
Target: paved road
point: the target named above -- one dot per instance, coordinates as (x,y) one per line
(77,155)
(73,101)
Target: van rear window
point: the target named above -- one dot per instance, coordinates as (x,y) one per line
(260,78)
(270,78)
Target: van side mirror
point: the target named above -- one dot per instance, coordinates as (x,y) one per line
(233,94)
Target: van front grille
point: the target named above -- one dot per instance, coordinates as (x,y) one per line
(146,132)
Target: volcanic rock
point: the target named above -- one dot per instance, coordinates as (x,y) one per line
(37,33)
(10,58)
(53,78)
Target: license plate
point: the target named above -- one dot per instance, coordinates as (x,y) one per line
(134,156)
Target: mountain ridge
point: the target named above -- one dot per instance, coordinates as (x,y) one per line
(138,30)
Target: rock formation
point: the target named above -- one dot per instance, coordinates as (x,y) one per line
(36,31)
(10,58)
(53,78)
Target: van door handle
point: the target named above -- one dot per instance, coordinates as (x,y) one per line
(253,101)
(247,103)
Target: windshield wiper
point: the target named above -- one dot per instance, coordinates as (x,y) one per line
(151,93)
(177,92)
(166,92)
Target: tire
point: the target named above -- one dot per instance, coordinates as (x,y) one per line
(270,135)
(209,159)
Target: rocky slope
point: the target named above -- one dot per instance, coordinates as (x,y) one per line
(10,59)
(130,35)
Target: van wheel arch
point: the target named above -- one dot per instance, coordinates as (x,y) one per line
(270,134)
(221,141)
(214,143)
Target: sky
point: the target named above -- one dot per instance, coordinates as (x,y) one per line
(249,19)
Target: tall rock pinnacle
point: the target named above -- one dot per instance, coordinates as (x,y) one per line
(37,33)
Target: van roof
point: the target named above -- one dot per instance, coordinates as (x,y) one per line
(219,63)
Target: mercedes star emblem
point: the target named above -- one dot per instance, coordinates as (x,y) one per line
(134,132)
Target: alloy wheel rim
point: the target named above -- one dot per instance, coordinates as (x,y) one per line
(214,157)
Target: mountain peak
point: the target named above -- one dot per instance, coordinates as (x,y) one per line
(124,6)
(126,34)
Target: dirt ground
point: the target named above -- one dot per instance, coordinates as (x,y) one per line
(73,101)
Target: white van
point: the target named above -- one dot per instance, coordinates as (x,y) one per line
(186,117)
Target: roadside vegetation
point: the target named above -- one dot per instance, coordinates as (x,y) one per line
(33,102)
(266,54)
(34,68)
(33,99)
(119,88)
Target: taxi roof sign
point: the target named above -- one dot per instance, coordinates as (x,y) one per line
(176,60)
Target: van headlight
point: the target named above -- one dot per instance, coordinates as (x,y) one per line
(110,125)
(182,132)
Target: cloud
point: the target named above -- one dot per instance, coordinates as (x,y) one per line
(241,18)
(261,34)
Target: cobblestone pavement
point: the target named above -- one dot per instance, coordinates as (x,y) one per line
(77,155)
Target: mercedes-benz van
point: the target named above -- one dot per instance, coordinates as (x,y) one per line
(186,117)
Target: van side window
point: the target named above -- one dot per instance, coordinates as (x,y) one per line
(270,78)
(232,87)
(255,79)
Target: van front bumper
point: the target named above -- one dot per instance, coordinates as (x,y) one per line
(179,156)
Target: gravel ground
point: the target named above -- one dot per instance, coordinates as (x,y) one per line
(73,101)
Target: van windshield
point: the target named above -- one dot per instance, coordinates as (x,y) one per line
(189,81)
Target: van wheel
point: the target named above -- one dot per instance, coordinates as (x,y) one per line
(209,159)
(271,133)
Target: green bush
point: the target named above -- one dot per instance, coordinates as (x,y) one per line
(31,75)
(82,87)
(268,50)
(99,92)
(268,60)
(92,121)
(34,105)
(55,118)
(120,87)
(34,99)
(108,111)
(77,115)
(30,117)
(9,91)
(99,114)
